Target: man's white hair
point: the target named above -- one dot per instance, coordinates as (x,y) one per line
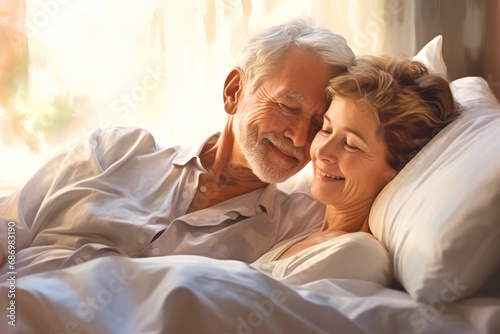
(262,56)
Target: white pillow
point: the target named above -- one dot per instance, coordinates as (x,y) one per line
(431,56)
(440,216)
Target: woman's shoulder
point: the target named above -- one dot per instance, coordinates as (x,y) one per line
(352,246)
(357,255)
(360,240)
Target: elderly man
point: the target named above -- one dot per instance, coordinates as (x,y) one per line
(119,192)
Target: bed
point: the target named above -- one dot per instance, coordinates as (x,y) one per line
(439,220)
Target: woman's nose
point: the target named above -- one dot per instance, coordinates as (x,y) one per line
(327,149)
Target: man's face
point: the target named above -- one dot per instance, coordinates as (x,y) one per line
(275,125)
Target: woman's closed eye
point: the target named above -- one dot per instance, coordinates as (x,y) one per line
(350,146)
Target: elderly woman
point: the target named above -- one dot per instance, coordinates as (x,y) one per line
(381,114)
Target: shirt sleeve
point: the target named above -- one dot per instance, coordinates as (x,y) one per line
(20,208)
(90,157)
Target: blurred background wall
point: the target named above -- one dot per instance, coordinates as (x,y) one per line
(68,67)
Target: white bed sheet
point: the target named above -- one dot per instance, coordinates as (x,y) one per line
(191,294)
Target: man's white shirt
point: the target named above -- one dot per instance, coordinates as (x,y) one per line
(116,191)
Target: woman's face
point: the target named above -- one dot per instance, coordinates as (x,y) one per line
(349,157)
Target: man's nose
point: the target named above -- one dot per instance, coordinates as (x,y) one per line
(299,132)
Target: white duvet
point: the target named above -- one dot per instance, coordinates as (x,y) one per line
(192,294)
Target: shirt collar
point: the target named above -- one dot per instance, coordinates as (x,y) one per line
(185,155)
(256,201)
(267,198)
(263,198)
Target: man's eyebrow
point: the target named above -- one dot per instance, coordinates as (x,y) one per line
(295,96)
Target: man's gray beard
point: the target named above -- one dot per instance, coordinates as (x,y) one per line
(267,171)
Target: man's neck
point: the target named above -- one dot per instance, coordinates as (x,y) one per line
(227,176)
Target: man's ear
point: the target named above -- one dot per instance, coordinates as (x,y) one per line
(233,88)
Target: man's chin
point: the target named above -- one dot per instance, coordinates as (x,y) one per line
(274,175)
(272,168)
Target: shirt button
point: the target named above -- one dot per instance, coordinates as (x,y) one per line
(203,189)
(185,194)
(156,251)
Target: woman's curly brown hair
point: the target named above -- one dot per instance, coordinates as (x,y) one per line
(410,104)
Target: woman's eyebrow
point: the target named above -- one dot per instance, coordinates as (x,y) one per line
(356,133)
(347,129)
